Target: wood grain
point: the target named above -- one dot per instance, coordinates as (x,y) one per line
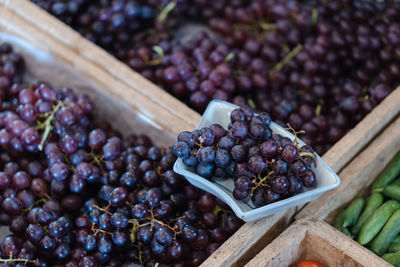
(309,238)
(359,174)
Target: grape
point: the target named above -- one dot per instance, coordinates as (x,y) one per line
(97,138)
(59,171)
(295,184)
(157,248)
(268,148)
(181,150)
(163,235)
(188,138)
(47,244)
(257,164)
(153,197)
(238,153)
(10,245)
(206,136)
(189,233)
(270,196)
(104,245)
(309,179)
(112,148)
(206,203)
(280,167)
(79,189)
(175,250)
(258,197)
(12,206)
(279,184)
(118,196)
(218,131)
(226,143)
(205,170)
(222,158)
(239,130)
(206,155)
(238,115)
(119,220)
(290,153)
(21,180)
(145,234)
(119,238)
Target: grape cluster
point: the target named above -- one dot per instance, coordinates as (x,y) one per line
(73,192)
(266,167)
(65,10)
(111,24)
(319,65)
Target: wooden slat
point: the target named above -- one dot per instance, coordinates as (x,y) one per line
(359,174)
(310,238)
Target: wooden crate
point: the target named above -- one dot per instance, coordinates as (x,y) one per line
(166,113)
(310,238)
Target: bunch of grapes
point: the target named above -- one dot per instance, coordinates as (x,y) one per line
(266,167)
(65,10)
(73,192)
(150,209)
(111,24)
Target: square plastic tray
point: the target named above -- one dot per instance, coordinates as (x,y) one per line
(219,112)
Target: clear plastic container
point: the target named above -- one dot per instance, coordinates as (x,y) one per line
(219,112)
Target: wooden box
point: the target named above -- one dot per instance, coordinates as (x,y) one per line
(143,101)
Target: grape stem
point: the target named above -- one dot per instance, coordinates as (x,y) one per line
(217,209)
(287,58)
(39,201)
(262,181)
(295,133)
(309,154)
(97,230)
(47,124)
(16,260)
(166,10)
(103,210)
(251,103)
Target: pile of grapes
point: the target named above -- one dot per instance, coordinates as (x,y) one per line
(319,65)
(266,167)
(73,192)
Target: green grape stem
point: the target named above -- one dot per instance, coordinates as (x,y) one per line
(47,125)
